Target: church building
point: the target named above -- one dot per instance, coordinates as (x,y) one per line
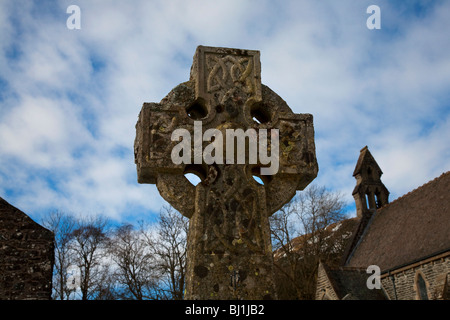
(408,240)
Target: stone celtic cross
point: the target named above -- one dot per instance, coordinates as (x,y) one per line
(229,244)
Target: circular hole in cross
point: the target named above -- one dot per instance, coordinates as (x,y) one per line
(260,114)
(195,173)
(259,178)
(197,110)
(193,178)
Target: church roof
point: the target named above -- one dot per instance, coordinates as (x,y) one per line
(413,227)
(350,284)
(334,234)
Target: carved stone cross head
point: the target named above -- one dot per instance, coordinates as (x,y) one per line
(226,127)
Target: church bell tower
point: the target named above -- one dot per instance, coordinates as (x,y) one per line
(369,193)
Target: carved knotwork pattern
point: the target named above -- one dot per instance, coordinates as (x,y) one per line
(225,74)
(233,216)
(160,131)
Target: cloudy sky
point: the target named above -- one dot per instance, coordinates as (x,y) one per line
(69,99)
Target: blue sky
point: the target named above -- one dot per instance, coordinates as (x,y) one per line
(69,99)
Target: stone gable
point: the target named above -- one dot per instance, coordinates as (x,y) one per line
(26,256)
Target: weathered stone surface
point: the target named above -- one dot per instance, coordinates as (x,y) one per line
(229,248)
(26,256)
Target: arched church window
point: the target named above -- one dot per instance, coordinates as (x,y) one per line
(367,201)
(421,287)
(378,199)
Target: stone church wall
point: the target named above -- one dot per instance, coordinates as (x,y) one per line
(433,272)
(26,256)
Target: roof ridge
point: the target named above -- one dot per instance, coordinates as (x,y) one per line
(345,268)
(414,190)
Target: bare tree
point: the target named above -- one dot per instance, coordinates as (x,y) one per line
(62,226)
(168,243)
(285,228)
(300,238)
(135,275)
(89,248)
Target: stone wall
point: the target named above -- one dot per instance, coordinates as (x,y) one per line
(26,256)
(434,272)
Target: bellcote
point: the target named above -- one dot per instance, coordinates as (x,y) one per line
(369,193)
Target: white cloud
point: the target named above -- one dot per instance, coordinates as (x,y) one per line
(408,160)
(40,132)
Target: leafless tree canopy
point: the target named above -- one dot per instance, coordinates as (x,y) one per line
(88,247)
(135,274)
(62,226)
(169,250)
(300,238)
(96,260)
